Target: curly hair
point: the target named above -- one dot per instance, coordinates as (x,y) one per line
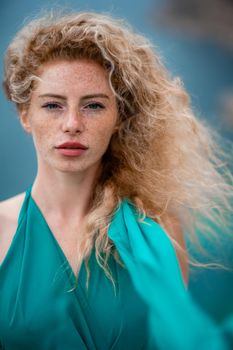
(162,158)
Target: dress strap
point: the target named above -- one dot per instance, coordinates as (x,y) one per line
(25,204)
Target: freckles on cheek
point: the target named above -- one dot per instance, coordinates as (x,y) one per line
(41,134)
(104,135)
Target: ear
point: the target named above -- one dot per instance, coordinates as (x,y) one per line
(25,120)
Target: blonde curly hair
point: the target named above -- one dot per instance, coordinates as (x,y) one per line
(162,158)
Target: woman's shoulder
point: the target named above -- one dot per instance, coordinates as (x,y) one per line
(9,213)
(127,219)
(173,228)
(10,208)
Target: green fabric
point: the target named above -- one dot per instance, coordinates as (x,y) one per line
(151,309)
(175,321)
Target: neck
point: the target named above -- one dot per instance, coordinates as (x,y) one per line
(63,194)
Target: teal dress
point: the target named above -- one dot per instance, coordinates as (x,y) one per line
(41,309)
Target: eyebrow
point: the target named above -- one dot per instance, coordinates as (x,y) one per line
(85,97)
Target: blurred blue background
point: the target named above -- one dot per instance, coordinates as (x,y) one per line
(195,41)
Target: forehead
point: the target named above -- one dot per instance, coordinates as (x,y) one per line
(72,75)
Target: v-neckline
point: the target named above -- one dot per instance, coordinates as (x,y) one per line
(72,273)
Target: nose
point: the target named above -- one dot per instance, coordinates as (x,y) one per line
(73,122)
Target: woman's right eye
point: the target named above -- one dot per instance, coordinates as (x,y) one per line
(51,106)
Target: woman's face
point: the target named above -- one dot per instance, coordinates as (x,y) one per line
(72,115)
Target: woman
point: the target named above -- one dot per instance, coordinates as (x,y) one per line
(93,255)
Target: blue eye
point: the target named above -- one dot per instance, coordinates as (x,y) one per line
(95,106)
(51,105)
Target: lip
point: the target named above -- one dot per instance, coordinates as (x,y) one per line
(73,145)
(71,149)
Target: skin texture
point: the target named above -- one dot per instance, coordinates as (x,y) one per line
(53,120)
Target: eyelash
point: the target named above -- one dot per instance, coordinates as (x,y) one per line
(96,104)
(50,104)
(53,105)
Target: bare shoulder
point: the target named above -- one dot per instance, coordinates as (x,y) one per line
(9,213)
(10,208)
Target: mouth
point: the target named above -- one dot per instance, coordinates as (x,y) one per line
(72,145)
(71,149)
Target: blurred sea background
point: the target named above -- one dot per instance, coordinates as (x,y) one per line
(195,41)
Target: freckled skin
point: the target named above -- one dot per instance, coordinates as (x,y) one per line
(89,121)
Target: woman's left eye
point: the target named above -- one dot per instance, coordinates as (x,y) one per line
(94,106)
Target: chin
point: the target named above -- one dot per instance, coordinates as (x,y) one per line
(75,167)
(70,169)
